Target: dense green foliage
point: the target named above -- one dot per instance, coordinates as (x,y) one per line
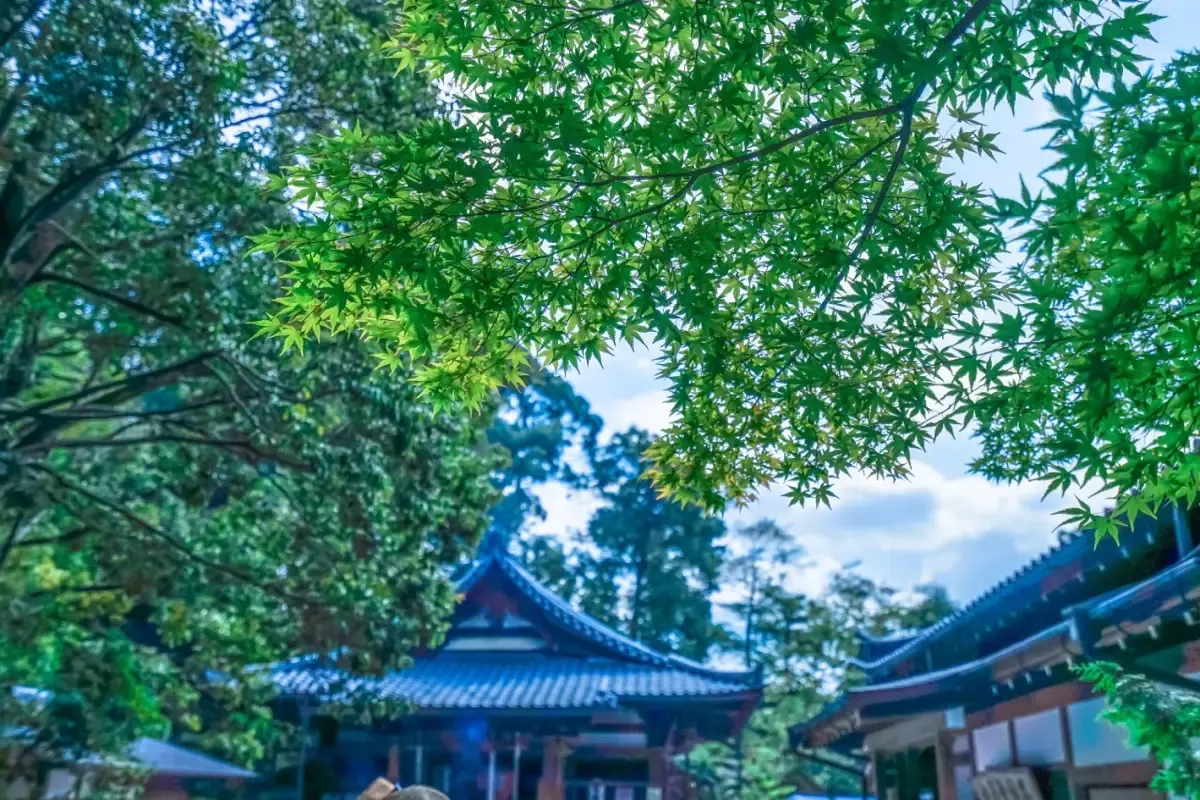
(1105,338)
(760,188)
(177,501)
(1164,719)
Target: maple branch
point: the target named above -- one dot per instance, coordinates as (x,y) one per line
(908,106)
(599,12)
(753,155)
(876,208)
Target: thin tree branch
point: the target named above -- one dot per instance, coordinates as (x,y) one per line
(173,541)
(70,536)
(138,441)
(66,191)
(876,208)
(102,587)
(86,414)
(908,107)
(11,539)
(136,383)
(232,394)
(127,302)
(752,155)
(599,12)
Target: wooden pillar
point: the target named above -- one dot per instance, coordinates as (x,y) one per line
(491,778)
(658,770)
(943,752)
(516,792)
(393,773)
(554,759)
(419,761)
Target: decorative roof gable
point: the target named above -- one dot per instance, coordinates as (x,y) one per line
(513,644)
(571,623)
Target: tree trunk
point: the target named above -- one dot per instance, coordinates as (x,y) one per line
(639,579)
(750,618)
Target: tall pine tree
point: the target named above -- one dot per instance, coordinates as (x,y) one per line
(659,560)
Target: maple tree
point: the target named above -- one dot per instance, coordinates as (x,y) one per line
(760,188)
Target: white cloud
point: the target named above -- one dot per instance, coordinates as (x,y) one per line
(649,411)
(567,510)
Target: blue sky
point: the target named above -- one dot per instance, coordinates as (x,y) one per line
(943,525)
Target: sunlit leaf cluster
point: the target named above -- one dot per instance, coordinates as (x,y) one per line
(1097,367)
(759,188)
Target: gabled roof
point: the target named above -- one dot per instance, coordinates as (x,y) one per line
(164,758)
(571,619)
(609,671)
(521,681)
(873,648)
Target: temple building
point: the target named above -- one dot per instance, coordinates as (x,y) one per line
(985,704)
(526,699)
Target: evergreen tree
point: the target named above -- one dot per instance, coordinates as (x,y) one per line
(657,562)
(757,573)
(177,501)
(537,425)
(805,645)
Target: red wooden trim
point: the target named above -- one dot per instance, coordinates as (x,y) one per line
(1130,774)
(1191,658)
(1063,694)
(1068,745)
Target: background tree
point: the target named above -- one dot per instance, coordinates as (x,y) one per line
(538,424)
(176,501)
(756,573)
(760,188)
(654,564)
(806,645)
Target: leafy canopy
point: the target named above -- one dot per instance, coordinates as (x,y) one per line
(175,500)
(1163,719)
(758,187)
(1100,355)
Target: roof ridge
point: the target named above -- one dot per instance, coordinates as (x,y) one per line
(968,608)
(588,625)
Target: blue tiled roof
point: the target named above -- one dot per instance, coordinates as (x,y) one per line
(1158,596)
(595,631)
(1016,586)
(498,681)
(616,669)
